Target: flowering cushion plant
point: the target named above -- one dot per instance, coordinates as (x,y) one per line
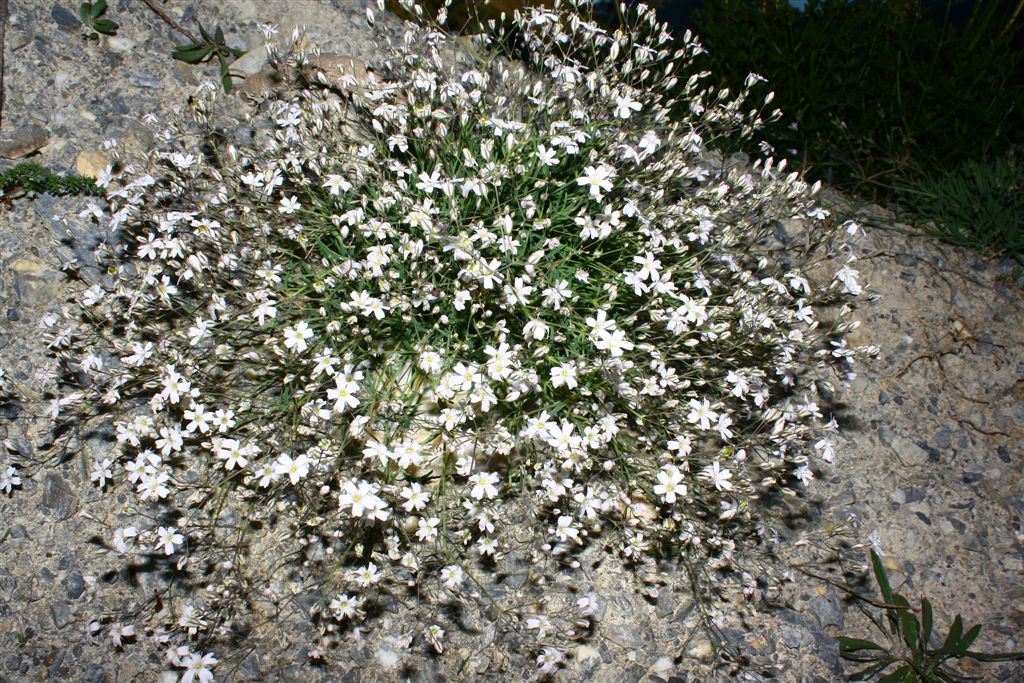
(409,302)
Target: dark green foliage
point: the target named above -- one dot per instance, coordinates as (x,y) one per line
(32,177)
(91,14)
(870,83)
(212,47)
(877,90)
(909,656)
(978,204)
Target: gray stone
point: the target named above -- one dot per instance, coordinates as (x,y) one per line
(250,666)
(908,452)
(58,497)
(23,140)
(35,283)
(18,39)
(828,609)
(95,674)
(60,613)
(795,637)
(74,585)
(145,81)
(626,635)
(64,18)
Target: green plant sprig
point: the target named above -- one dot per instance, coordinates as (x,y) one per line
(211,47)
(32,177)
(909,650)
(91,14)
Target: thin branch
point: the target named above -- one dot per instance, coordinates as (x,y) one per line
(168,19)
(3,31)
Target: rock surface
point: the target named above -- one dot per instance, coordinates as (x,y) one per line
(929,468)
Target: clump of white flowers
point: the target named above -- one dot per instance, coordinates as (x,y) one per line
(462,282)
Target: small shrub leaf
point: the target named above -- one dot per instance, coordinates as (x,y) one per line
(904,673)
(953,638)
(192,54)
(968,639)
(869,672)
(994,656)
(848,645)
(105,26)
(881,577)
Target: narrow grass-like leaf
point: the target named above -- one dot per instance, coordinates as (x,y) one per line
(968,639)
(869,672)
(927,619)
(953,637)
(904,673)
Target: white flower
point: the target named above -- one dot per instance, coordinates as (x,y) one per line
(615,343)
(121,537)
(367,576)
(289,205)
(120,631)
(362,500)
(701,413)
(343,394)
(549,659)
(598,179)
(198,667)
(336,184)
(848,277)
(669,484)
(426,529)
(415,497)
(546,156)
(101,471)
(719,477)
(168,539)
(625,106)
(295,337)
(484,485)
(804,474)
(535,329)
(452,576)
(650,142)
(564,375)
(295,469)
(566,530)
(198,419)
(435,636)
(345,606)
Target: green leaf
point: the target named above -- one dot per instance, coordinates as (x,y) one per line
(85,13)
(994,656)
(98,8)
(869,672)
(953,637)
(968,639)
(927,619)
(904,673)
(192,54)
(105,26)
(847,645)
(881,577)
(908,622)
(226,82)
(219,36)
(204,34)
